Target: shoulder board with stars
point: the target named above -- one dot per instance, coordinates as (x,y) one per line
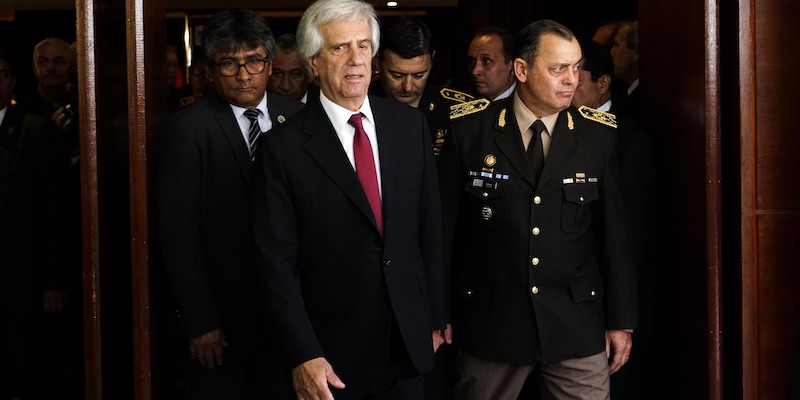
(471,107)
(455,95)
(599,116)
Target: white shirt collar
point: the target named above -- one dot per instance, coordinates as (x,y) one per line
(507,92)
(633,86)
(339,115)
(238,112)
(606,107)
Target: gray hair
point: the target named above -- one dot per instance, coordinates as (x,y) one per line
(58,43)
(309,38)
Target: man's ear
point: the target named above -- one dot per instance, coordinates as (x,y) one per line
(605,83)
(312,62)
(520,70)
(376,64)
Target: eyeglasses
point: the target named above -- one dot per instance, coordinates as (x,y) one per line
(253,66)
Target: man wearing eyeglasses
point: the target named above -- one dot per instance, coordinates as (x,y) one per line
(202,188)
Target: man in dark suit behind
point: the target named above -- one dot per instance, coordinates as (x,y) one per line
(37,307)
(347,224)
(638,159)
(203,193)
(536,236)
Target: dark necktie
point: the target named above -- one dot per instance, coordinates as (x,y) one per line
(535,148)
(255,129)
(365,169)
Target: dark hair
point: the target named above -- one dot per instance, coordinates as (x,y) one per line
(286,43)
(597,60)
(406,37)
(527,40)
(231,30)
(505,38)
(632,35)
(4,56)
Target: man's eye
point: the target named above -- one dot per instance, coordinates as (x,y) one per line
(296,74)
(397,76)
(419,76)
(277,73)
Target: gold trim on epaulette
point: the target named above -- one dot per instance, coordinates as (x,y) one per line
(599,116)
(455,95)
(471,107)
(185,101)
(501,120)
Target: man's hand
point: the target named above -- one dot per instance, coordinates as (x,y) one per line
(207,349)
(619,342)
(441,337)
(54,301)
(61,118)
(311,380)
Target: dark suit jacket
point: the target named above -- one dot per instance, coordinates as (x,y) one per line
(332,285)
(203,194)
(638,157)
(33,168)
(507,236)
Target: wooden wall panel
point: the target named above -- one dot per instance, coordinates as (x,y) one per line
(672,69)
(778,305)
(777,141)
(770,201)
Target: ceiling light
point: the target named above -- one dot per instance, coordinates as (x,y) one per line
(391,4)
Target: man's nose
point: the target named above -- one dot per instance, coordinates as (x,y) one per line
(408,84)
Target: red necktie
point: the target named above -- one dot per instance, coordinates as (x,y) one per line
(365,169)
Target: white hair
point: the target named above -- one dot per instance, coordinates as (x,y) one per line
(309,38)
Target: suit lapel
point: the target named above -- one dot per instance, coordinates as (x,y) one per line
(324,147)
(230,129)
(562,145)
(509,140)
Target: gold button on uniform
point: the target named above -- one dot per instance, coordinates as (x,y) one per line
(537,200)
(535,290)
(594,293)
(535,261)
(535,231)
(485,194)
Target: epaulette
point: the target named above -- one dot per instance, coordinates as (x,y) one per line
(187,100)
(455,95)
(598,116)
(471,107)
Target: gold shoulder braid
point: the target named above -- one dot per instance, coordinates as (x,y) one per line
(455,95)
(599,116)
(471,107)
